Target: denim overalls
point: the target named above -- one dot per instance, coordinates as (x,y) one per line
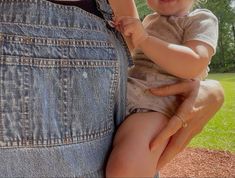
(62,89)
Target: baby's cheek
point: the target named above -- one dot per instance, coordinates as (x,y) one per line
(152,4)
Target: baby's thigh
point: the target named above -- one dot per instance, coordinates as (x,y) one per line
(132,141)
(141,127)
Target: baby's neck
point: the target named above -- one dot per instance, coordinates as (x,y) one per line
(176,15)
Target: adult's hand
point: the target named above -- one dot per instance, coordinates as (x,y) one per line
(201,100)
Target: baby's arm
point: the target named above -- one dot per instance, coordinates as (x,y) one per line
(124,8)
(186,61)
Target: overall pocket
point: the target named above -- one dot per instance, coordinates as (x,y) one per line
(55,91)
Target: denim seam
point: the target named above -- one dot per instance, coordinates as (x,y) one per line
(54,26)
(25,105)
(64,106)
(1,99)
(51,142)
(53,41)
(48,63)
(113,91)
(108,16)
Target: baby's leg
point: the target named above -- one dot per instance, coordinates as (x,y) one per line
(131,156)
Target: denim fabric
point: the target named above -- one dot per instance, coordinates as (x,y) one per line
(62,89)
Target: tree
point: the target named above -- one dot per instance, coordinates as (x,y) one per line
(224,60)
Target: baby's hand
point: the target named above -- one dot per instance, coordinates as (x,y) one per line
(132,27)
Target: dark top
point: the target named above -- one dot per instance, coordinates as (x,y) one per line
(87,5)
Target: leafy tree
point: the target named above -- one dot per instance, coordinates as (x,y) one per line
(224,60)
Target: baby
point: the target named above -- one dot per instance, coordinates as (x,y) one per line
(171,45)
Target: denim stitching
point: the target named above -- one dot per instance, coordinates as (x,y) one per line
(1,93)
(55,27)
(39,62)
(53,141)
(114,85)
(53,41)
(82,138)
(103,8)
(25,109)
(64,108)
(28,141)
(50,63)
(1,108)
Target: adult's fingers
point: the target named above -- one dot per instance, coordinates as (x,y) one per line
(171,128)
(174,89)
(125,20)
(187,107)
(182,116)
(175,145)
(126,25)
(128,29)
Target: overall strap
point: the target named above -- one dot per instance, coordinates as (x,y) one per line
(106,10)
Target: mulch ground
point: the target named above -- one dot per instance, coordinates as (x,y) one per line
(201,163)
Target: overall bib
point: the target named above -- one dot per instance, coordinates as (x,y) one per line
(62,89)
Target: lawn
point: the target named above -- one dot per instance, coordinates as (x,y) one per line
(219,133)
(142,8)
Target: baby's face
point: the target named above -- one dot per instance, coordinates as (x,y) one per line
(171,7)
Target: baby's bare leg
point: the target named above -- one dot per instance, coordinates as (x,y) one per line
(131,156)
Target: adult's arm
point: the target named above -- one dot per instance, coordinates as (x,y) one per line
(201,101)
(124,8)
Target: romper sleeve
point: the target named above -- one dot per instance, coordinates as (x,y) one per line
(202,25)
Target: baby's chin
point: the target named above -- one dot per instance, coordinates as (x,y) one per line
(172,14)
(166,1)
(164,13)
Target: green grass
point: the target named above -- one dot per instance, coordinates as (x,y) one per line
(142,8)
(219,133)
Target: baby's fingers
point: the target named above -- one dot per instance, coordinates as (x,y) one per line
(172,127)
(175,89)
(126,25)
(124,20)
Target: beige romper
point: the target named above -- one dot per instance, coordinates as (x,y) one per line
(201,24)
